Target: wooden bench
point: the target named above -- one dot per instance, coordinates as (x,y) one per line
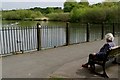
(110,55)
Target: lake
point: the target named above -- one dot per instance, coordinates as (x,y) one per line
(22,35)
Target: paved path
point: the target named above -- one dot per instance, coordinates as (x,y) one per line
(62,61)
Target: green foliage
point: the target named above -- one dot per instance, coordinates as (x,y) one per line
(73,11)
(101,12)
(20,14)
(95,15)
(69,5)
(76,14)
(47,10)
(58,16)
(84,2)
(56,79)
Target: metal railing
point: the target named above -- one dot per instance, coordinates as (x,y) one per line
(18,39)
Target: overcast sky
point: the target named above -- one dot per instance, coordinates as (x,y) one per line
(43,0)
(26,4)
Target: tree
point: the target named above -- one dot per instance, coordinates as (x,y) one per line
(69,5)
(95,15)
(111,0)
(110,3)
(84,2)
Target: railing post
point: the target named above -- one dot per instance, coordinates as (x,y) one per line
(113,29)
(102,36)
(87,33)
(38,36)
(67,34)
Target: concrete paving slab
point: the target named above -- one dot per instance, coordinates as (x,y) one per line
(74,70)
(63,61)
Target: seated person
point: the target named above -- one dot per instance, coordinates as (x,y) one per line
(101,54)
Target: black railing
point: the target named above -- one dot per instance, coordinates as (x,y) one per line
(14,39)
(18,39)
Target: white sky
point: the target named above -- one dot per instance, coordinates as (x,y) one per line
(45,0)
(25,4)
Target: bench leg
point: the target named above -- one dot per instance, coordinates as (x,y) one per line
(114,62)
(104,73)
(92,67)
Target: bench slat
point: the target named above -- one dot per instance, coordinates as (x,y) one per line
(114,52)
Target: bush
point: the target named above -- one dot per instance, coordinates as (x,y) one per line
(77,14)
(58,16)
(95,14)
(20,14)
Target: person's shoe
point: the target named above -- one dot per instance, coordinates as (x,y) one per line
(85,65)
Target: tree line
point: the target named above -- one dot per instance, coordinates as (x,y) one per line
(73,11)
(20,14)
(100,12)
